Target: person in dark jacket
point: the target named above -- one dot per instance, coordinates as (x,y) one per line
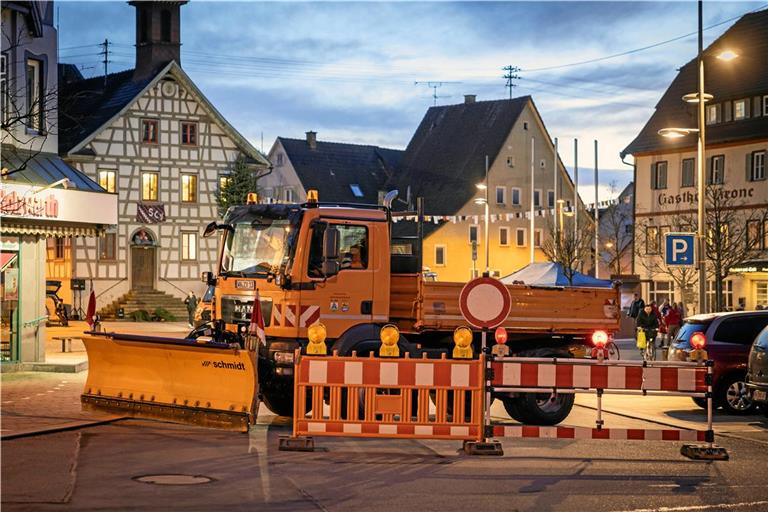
(636,307)
(191,303)
(648,321)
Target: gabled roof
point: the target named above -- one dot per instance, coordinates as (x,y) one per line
(446,156)
(743,77)
(86,107)
(332,167)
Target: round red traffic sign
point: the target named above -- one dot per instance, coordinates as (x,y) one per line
(485,302)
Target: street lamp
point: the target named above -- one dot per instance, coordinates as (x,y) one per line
(700,98)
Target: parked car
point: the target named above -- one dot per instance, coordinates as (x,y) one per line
(204,310)
(757,371)
(729,337)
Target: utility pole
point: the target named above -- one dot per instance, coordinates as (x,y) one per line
(532,209)
(700,155)
(105,53)
(510,76)
(576,193)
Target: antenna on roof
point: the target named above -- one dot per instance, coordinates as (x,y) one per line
(434,86)
(105,53)
(510,76)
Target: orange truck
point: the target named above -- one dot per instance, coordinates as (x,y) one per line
(337,268)
(339,265)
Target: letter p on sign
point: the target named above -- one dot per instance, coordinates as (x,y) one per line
(680,249)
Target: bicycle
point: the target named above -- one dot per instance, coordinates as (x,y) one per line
(649,352)
(612,351)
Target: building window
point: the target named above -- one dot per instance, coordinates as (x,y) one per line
(659,175)
(149,131)
(537,198)
(223,182)
(765,105)
(757,166)
(108,246)
(520,237)
(107,180)
(57,244)
(688,173)
(501,195)
(504,236)
(739,110)
(551,198)
(727,296)
(280,159)
(713,114)
(4,91)
(440,255)
(511,159)
(149,186)
(516,192)
(525,125)
(473,233)
(188,188)
(356,190)
(652,240)
(753,235)
(761,294)
(188,246)
(660,291)
(288,195)
(35,103)
(189,134)
(537,236)
(717,170)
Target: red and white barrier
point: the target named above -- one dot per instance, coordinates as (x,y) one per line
(623,434)
(363,429)
(570,373)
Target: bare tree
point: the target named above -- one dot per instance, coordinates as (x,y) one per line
(568,247)
(28,112)
(615,237)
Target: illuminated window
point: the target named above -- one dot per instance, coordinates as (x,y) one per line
(188,245)
(440,255)
(223,181)
(188,188)
(107,180)
(713,114)
(189,134)
(504,236)
(149,186)
(652,240)
(739,110)
(108,246)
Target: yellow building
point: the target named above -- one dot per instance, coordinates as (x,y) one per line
(444,162)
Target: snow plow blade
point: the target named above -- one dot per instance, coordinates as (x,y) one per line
(181,380)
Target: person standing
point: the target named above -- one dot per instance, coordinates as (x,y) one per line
(636,307)
(191,303)
(673,319)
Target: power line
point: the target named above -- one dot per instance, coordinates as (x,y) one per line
(636,50)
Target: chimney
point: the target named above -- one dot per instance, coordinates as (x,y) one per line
(469,98)
(312,140)
(158,35)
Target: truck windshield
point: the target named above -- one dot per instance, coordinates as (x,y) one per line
(255,248)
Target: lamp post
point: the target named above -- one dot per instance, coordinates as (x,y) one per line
(700,98)
(484,186)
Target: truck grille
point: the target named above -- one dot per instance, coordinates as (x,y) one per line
(237,310)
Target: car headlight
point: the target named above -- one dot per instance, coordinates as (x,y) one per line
(283,357)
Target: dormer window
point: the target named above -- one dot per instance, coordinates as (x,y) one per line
(739,110)
(356,190)
(713,114)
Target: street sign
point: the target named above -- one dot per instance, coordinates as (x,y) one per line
(485,302)
(679,249)
(474,250)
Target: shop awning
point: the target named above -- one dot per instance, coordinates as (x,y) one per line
(750,266)
(11,227)
(6,258)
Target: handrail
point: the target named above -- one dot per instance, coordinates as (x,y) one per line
(35,322)
(170,283)
(117,283)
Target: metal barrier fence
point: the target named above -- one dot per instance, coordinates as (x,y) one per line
(386,397)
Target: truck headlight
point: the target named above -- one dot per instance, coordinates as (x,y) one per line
(283,357)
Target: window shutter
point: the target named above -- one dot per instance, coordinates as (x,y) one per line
(749,167)
(653,176)
(747,104)
(756,110)
(728,110)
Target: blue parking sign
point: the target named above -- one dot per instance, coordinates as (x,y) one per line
(680,249)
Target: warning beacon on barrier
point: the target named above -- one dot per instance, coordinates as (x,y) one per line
(316,334)
(253,198)
(462,337)
(389,336)
(698,341)
(500,349)
(599,340)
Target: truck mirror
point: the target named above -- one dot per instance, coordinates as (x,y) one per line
(207,278)
(330,268)
(331,243)
(210,229)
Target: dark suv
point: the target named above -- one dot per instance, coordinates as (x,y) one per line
(729,337)
(757,374)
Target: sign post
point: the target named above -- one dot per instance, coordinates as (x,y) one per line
(485,303)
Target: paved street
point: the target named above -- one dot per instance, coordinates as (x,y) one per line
(97,467)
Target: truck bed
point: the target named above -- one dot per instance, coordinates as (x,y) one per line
(419,305)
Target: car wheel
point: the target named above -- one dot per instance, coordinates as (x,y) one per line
(734,397)
(701,402)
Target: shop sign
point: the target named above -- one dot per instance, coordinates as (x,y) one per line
(57,204)
(150,213)
(750,266)
(689,197)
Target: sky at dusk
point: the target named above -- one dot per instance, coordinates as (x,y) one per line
(348,70)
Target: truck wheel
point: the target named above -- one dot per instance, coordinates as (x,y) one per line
(544,408)
(280,403)
(512,406)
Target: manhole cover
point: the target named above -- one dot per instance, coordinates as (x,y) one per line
(173,479)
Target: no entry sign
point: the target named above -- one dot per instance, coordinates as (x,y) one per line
(485,302)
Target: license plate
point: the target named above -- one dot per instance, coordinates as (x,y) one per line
(758,396)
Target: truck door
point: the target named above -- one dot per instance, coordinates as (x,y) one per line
(345,299)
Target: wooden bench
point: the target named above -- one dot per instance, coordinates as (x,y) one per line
(66,342)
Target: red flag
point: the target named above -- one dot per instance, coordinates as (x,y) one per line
(256,328)
(91,312)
